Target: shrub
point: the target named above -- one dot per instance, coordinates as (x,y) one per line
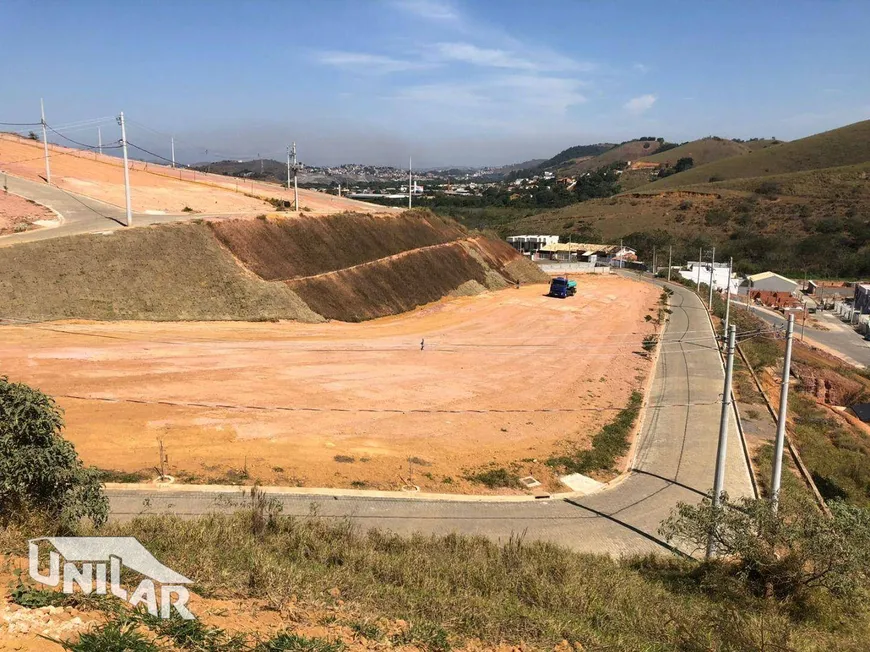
(717,217)
(768,188)
(39,469)
(787,555)
(716,178)
(113,637)
(685,205)
(496,478)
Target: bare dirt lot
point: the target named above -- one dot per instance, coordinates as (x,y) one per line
(157,188)
(347,405)
(17,213)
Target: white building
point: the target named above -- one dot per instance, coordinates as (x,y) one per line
(696,271)
(530,244)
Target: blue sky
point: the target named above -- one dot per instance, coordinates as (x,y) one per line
(449,82)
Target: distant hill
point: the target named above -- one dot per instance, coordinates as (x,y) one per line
(578,151)
(848,145)
(265,169)
(706,150)
(630,151)
(525,165)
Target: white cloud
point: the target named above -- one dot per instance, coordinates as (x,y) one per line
(372,64)
(498,58)
(505,101)
(641,68)
(429,9)
(640,104)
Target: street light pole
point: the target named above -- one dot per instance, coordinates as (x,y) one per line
(776,478)
(722,449)
(728,295)
(712,265)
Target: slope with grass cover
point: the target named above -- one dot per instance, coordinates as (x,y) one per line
(346,267)
(847,145)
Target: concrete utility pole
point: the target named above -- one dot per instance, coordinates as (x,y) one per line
(728,295)
(410,180)
(126,169)
(654,261)
(712,265)
(173,152)
(45,143)
(288,168)
(670,255)
(700,255)
(295,181)
(776,478)
(722,449)
(621,254)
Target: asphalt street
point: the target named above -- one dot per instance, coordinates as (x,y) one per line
(674,462)
(840,337)
(80,214)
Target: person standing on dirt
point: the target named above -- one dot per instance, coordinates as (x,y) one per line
(422,344)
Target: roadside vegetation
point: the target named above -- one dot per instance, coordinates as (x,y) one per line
(792,580)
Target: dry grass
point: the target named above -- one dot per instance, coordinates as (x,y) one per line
(468,587)
(170,272)
(838,147)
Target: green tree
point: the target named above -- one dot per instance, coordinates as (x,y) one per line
(39,469)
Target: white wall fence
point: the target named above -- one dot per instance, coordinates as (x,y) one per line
(576,268)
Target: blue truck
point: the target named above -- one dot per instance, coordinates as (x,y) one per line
(562,288)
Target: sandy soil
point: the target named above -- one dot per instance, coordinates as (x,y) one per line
(357,400)
(156,187)
(17,213)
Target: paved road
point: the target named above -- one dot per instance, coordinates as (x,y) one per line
(674,462)
(840,337)
(79,214)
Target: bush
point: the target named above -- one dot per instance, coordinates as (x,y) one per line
(717,217)
(39,470)
(787,555)
(685,205)
(768,188)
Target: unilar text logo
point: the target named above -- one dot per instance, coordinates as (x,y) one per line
(94,564)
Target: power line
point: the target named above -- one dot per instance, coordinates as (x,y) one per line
(75,141)
(20,124)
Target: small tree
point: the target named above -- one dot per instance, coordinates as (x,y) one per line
(786,554)
(32,136)
(39,469)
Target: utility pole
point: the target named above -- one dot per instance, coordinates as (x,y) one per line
(45,143)
(776,479)
(712,265)
(621,254)
(295,182)
(173,152)
(728,295)
(288,168)
(719,477)
(700,255)
(654,261)
(670,255)
(410,179)
(126,169)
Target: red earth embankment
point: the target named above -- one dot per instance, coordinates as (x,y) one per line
(286,248)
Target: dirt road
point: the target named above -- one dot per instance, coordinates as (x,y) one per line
(347,405)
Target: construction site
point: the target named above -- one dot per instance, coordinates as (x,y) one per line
(227,338)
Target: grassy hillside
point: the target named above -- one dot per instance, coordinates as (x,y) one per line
(630,151)
(235,269)
(844,146)
(171,272)
(702,151)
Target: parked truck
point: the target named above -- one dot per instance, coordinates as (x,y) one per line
(561,287)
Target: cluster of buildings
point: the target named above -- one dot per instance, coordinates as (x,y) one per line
(547,248)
